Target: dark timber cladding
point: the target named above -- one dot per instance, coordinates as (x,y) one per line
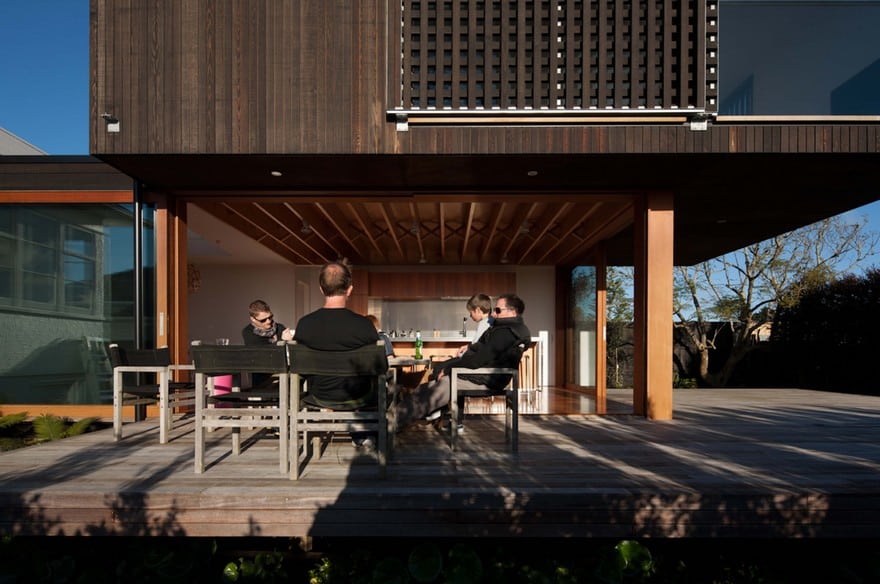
(313,77)
(557,55)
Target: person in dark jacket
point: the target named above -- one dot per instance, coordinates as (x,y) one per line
(501,345)
(263,330)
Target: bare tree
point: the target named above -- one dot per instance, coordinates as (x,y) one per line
(742,289)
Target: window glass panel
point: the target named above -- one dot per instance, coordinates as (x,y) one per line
(7,259)
(6,223)
(39,228)
(796,57)
(38,288)
(38,258)
(79,282)
(583,318)
(69,273)
(80,242)
(79,269)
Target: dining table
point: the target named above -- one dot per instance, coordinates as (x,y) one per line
(408,371)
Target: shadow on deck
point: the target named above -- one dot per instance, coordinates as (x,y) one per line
(767,463)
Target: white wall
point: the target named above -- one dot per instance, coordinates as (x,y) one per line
(220,307)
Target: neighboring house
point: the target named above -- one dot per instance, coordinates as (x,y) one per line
(429,141)
(10,144)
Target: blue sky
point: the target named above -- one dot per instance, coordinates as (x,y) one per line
(44,78)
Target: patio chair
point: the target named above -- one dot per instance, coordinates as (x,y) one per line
(160,389)
(306,418)
(253,408)
(511,401)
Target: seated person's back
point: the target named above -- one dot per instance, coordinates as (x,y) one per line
(336,328)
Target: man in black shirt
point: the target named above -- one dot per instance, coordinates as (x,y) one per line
(336,328)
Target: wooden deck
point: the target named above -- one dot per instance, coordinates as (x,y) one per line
(773,463)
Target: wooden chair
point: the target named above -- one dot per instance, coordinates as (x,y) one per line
(250,409)
(306,418)
(511,401)
(160,389)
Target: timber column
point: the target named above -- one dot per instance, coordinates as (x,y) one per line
(652,351)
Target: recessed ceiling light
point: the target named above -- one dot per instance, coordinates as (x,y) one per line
(532,173)
(275,173)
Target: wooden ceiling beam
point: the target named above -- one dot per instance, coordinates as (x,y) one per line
(611,220)
(493,230)
(441,213)
(541,227)
(357,212)
(285,217)
(416,230)
(386,213)
(513,228)
(567,228)
(264,223)
(470,209)
(325,230)
(343,231)
(236,221)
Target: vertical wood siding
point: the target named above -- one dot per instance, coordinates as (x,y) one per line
(318,76)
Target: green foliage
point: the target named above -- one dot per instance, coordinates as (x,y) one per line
(425,562)
(10,420)
(683,382)
(48,427)
(829,337)
(263,567)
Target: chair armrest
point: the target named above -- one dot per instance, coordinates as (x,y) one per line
(483,370)
(141,368)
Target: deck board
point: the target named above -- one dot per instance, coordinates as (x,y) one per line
(732,463)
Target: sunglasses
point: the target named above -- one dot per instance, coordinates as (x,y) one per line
(262,320)
(498,309)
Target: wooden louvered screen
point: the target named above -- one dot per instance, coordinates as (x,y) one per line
(558,56)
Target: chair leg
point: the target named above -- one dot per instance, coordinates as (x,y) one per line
(117,405)
(164,409)
(513,416)
(200,429)
(236,441)
(453,412)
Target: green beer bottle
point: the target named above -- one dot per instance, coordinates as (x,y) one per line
(418,352)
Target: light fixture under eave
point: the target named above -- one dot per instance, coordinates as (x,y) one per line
(306,228)
(422,260)
(532,173)
(505,260)
(275,173)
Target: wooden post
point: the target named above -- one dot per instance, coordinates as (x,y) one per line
(171,277)
(652,368)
